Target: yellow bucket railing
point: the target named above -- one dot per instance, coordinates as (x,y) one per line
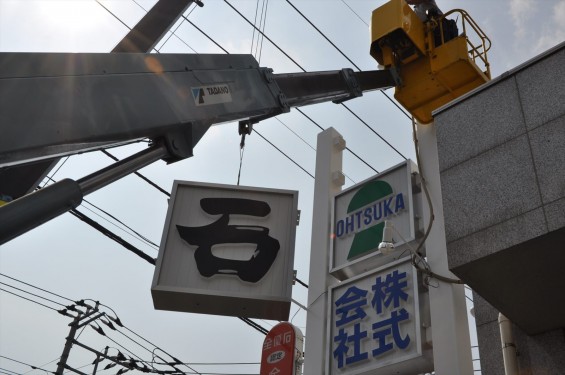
(478,42)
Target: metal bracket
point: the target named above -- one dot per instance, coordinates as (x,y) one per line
(352,84)
(245,127)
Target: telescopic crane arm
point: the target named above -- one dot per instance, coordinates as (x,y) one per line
(53,105)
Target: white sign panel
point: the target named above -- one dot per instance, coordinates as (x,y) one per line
(359,217)
(376,323)
(227,250)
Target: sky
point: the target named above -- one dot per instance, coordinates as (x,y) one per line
(67,257)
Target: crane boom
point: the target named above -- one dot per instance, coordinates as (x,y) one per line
(63,103)
(59,104)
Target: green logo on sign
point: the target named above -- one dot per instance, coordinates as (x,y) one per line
(373,203)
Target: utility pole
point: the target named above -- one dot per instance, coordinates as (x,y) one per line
(98,360)
(79,321)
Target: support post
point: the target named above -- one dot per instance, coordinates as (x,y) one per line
(78,322)
(98,360)
(329,180)
(450,327)
(68,345)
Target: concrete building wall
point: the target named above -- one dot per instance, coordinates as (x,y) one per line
(502,162)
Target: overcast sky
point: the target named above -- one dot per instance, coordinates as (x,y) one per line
(67,257)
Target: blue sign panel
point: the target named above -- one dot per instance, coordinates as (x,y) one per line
(376,323)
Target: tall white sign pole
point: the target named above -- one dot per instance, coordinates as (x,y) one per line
(450,328)
(329,180)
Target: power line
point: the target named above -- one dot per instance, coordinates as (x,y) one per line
(373,130)
(35,295)
(108,233)
(114,15)
(288,157)
(344,55)
(25,364)
(265,36)
(280,49)
(323,35)
(43,365)
(358,16)
(206,35)
(346,147)
(172,32)
(155,346)
(36,287)
(299,66)
(126,244)
(3,371)
(116,329)
(139,175)
(17,295)
(301,282)
(131,232)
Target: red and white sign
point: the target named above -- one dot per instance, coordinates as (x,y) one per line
(281,350)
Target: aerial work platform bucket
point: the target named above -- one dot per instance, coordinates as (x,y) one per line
(438,60)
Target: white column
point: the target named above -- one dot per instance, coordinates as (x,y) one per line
(329,180)
(450,327)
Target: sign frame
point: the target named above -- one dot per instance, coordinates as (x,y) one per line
(343,270)
(419,362)
(197,293)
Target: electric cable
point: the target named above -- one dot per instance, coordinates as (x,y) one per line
(266,2)
(354,12)
(35,295)
(261,136)
(17,295)
(3,371)
(323,35)
(288,157)
(125,349)
(112,235)
(373,130)
(254,325)
(36,287)
(134,234)
(304,70)
(175,30)
(254,22)
(131,232)
(265,36)
(346,147)
(241,150)
(107,153)
(57,170)
(296,134)
(282,51)
(129,28)
(114,15)
(155,346)
(206,35)
(428,271)
(220,363)
(25,364)
(301,282)
(344,55)
(33,286)
(48,363)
